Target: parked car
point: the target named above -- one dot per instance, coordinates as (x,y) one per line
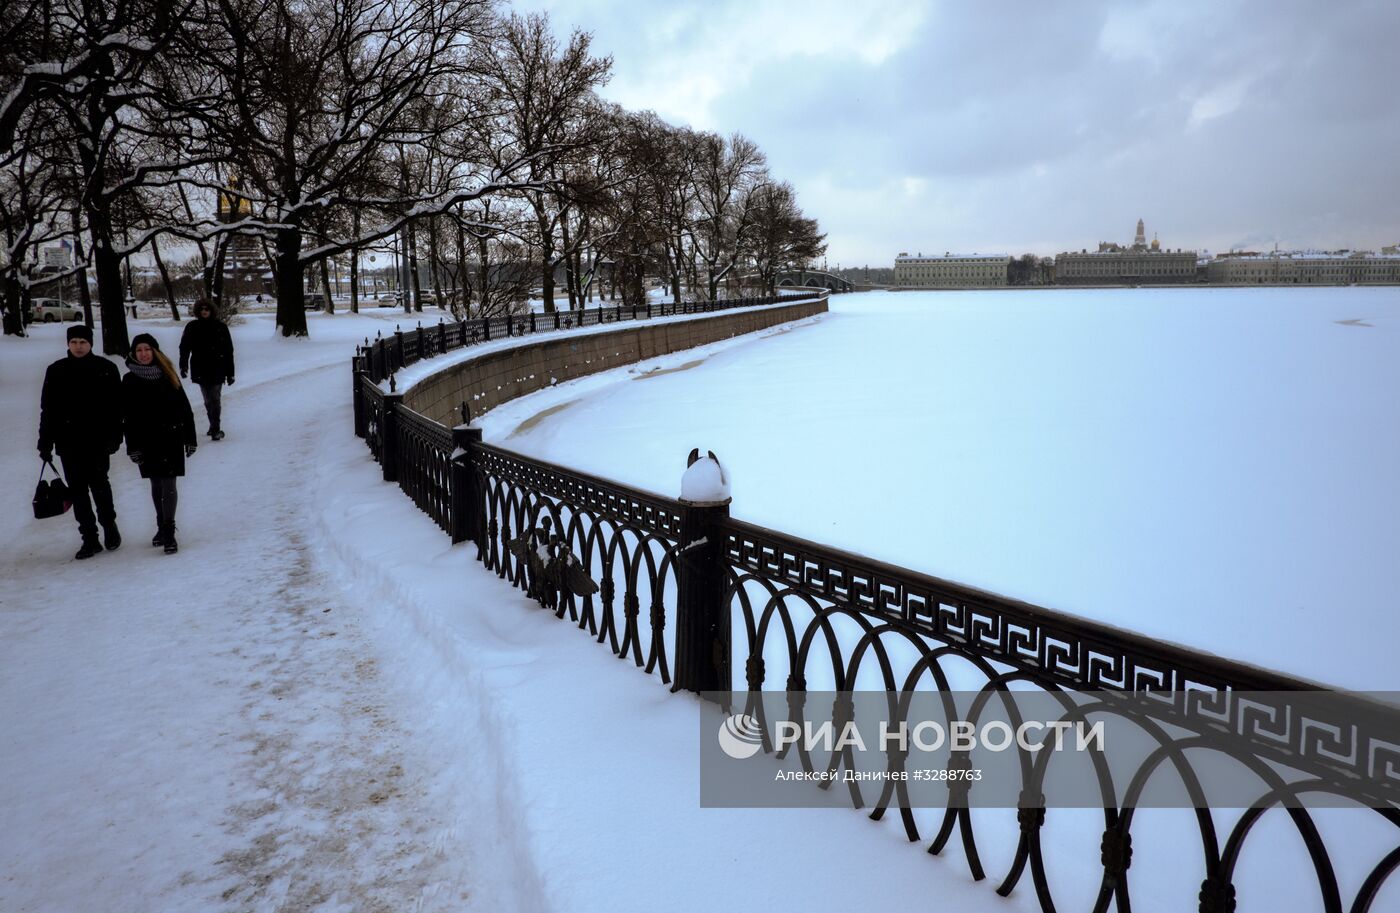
(315,301)
(51,310)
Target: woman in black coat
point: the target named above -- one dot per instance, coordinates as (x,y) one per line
(159,429)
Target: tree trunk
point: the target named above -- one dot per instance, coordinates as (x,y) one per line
(355,270)
(546,262)
(165,281)
(216,278)
(107,264)
(291,296)
(413,267)
(326,285)
(570,281)
(433,260)
(484,272)
(10,302)
(84,291)
(463,288)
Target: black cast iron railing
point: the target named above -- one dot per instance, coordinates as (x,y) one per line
(689,594)
(387,354)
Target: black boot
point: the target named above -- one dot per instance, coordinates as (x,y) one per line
(90,547)
(216,434)
(171,546)
(159,538)
(111,536)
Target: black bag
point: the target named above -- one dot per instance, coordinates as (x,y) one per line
(50,498)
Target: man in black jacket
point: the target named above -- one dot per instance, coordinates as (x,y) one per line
(80,417)
(206,350)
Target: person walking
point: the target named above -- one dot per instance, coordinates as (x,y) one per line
(206,352)
(159,429)
(80,417)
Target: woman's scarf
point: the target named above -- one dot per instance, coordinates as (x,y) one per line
(151,371)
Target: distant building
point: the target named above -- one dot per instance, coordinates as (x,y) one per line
(244,257)
(951,271)
(1342,267)
(1113,264)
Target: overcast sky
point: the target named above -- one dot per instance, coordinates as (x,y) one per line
(923,126)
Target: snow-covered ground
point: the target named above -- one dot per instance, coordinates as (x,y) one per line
(1208,466)
(320,704)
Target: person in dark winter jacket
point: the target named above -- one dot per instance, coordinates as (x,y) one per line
(80,417)
(159,429)
(206,353)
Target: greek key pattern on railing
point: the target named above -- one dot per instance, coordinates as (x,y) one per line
(1059,652)
(425,465)
(647,513)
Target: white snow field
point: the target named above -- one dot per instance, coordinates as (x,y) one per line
(1215,467)
(320,704)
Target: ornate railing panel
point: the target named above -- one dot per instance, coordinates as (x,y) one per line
(372,410)
(576,543)
(425,465)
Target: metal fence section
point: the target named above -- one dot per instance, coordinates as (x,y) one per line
(383,356)
(693,596)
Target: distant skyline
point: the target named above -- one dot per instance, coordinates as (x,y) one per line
(1036,128)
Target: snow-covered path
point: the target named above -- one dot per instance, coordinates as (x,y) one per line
(212,725)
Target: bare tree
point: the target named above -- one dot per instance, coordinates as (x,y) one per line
(542,95)
(729,171)
(782,237)
(91,64)
(319,91)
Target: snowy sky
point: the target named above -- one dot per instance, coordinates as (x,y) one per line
(925,126)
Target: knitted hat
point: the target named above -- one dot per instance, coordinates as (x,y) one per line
(147,338)
(80,331)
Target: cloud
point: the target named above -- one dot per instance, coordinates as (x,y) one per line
(1044,127)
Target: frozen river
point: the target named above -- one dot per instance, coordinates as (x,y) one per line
(1212,467)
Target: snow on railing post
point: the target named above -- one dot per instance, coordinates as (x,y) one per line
(389,437)
(702,616)
(467,514)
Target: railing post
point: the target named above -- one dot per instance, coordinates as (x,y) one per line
(556,320)
(702,613)
(466,499)
(357,395)
(486,329)
(389,437)
(442,337)
(532,321)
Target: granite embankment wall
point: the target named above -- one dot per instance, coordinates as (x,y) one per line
(500,376)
